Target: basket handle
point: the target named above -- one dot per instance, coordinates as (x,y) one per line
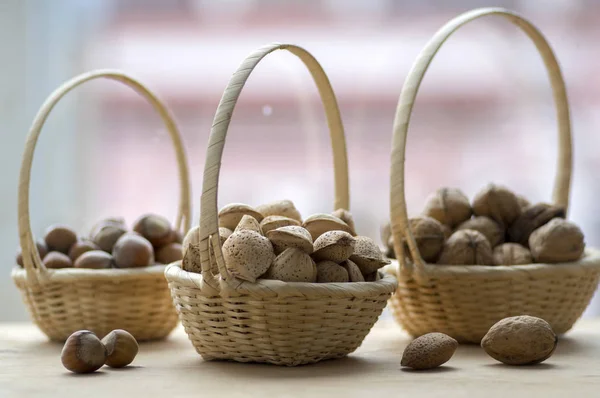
(31,258)
(209,228)
(562,182)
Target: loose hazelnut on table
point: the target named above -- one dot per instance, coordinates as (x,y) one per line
(83,352)
(57,260)
(60,238)
(156,229)
(449,206)
(121,348)
(466,247)
(132,251)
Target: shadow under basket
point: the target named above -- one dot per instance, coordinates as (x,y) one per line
(276,322)
(68,300)
(465,301)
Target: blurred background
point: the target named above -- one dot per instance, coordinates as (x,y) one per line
(484,112)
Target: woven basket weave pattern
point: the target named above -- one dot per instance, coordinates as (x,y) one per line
(464,301)
(62,301)
(270,321)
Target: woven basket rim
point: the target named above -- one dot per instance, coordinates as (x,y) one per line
(274,288)
(80,274)
(590,260)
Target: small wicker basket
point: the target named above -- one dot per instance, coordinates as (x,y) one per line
(62,301)
(271,321)
(465,301)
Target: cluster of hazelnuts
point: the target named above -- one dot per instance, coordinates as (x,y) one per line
(497,228)
(110,245)
(272,241)
(84,352)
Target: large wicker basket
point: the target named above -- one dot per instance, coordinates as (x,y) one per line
(271,321)
(464,301)
(62,301)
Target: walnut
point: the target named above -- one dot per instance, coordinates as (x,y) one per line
(429,237)
(466,247)
(531,219)
(488,227)
(449,206)
(498,203)
(511,254)
(557,241)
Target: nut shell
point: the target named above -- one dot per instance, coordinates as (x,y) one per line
(466,247)
(95,259)
(557,241)
(429,236)
(247,255)
(42,250)
(293,265)
(346,217)
(285,208)
(367,255)
(133,251)
(60,238)
(190,249)
(270,223)
(80,247)
(121,348)
(249,223)
(511,254)
(318,224)
(354,273)
(329,272)
(520,340)
(429,351)
(498,203)
(336,246)
(291,236)
(449,206)
(57,260)
(83,352)
(169,253)
(107,234)
(231,215)
(488,227)
(531,219)
(157,229)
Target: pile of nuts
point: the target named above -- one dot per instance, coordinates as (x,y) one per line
(497,228)
(273,242)
(111,245)
(84,352)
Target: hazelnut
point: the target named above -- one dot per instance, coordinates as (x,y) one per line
(328,272)
(336,246)
(83,352)
(247,254)
(449,206)
(511,254)
(466,247)
(60,238)
(346,217)
(133,251)
(80,247)
(488,227)
(293,265)
(190,250)
(42,250)
(531,219)
(176,236)
(121,348)
(231,215)
(429,236)
(169,253)
(429,351)
(318,224)
(118,221)
(249,223)
(107,234)
(520,340)
(291,236)
(523,202)
(95,259)
(354,273)
(155,228)
(367,255)
(557,241)
(56,260)
(283,208)
(270,223)
(498,203)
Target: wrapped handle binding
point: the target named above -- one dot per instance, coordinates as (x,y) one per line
(31,258)
(209,226)
(562,182)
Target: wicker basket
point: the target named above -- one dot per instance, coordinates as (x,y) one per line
(465,301)
(271,321)
(62,301)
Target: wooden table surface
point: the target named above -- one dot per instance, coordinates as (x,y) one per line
(30,366)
